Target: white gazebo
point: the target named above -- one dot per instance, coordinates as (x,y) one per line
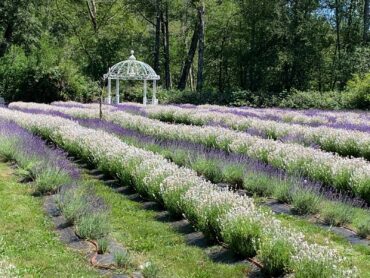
(132,69)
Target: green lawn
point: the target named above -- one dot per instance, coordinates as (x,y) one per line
(157,242)
(30,243)
(35,250)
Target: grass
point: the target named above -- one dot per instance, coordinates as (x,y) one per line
(30,243)
(148,239)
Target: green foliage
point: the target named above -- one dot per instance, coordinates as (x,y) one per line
(150,270)
(259,183)
(275,256)
(359,92)
(363,226)
(210,169)
(242,235)
(73,204)
(282,191)
(233,174)
(102,245)
(42,76)
(50,180)
(337,214)
(257,53)
(193,97)
(313,99)
(305,201)
(122,259)
(93,226)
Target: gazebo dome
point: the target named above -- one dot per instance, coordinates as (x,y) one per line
(132,69)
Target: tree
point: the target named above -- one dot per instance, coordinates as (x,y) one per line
(19,24)
(158,24)
(166,45)
(366,20)
(189,58)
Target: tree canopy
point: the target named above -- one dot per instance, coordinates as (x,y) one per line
(60,49)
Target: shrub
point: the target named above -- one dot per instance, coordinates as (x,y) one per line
(208,168)
(282,191)
(258,183)
(177,96)
(275,256)
(313,269)
(180,157)
(242,235)
(305,201)
(93,226)
(25,77)
(336,214)
(150,270)
(363,227)
(7,149)
(50,180)
(313,99)
(234,174)
(122,258)
(102,245)
(359,92)
(73,205)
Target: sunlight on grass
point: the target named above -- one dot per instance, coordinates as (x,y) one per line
(30,243)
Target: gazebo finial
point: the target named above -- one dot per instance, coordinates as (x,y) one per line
(132,57)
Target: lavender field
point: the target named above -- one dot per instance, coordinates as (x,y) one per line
(286,190)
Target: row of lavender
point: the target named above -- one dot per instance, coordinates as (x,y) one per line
(49,168)
(334,119)
(342,173)
(344,142)
(51,172)
(217,212)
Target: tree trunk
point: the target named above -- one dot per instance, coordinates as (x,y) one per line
(7,39)
(191,79)
(337,28)
(221,66)
(201,12)
(157,36)
(189,58)
(366,20)
(91,5)
(337,52)
(166,47)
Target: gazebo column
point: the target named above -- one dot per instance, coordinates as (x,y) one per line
(117,91)
(154,100)
(109,98)
(145,91)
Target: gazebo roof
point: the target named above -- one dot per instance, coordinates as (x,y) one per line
(131,69)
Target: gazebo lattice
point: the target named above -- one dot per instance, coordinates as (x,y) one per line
(132,69)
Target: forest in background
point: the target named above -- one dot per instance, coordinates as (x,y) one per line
(290,53)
